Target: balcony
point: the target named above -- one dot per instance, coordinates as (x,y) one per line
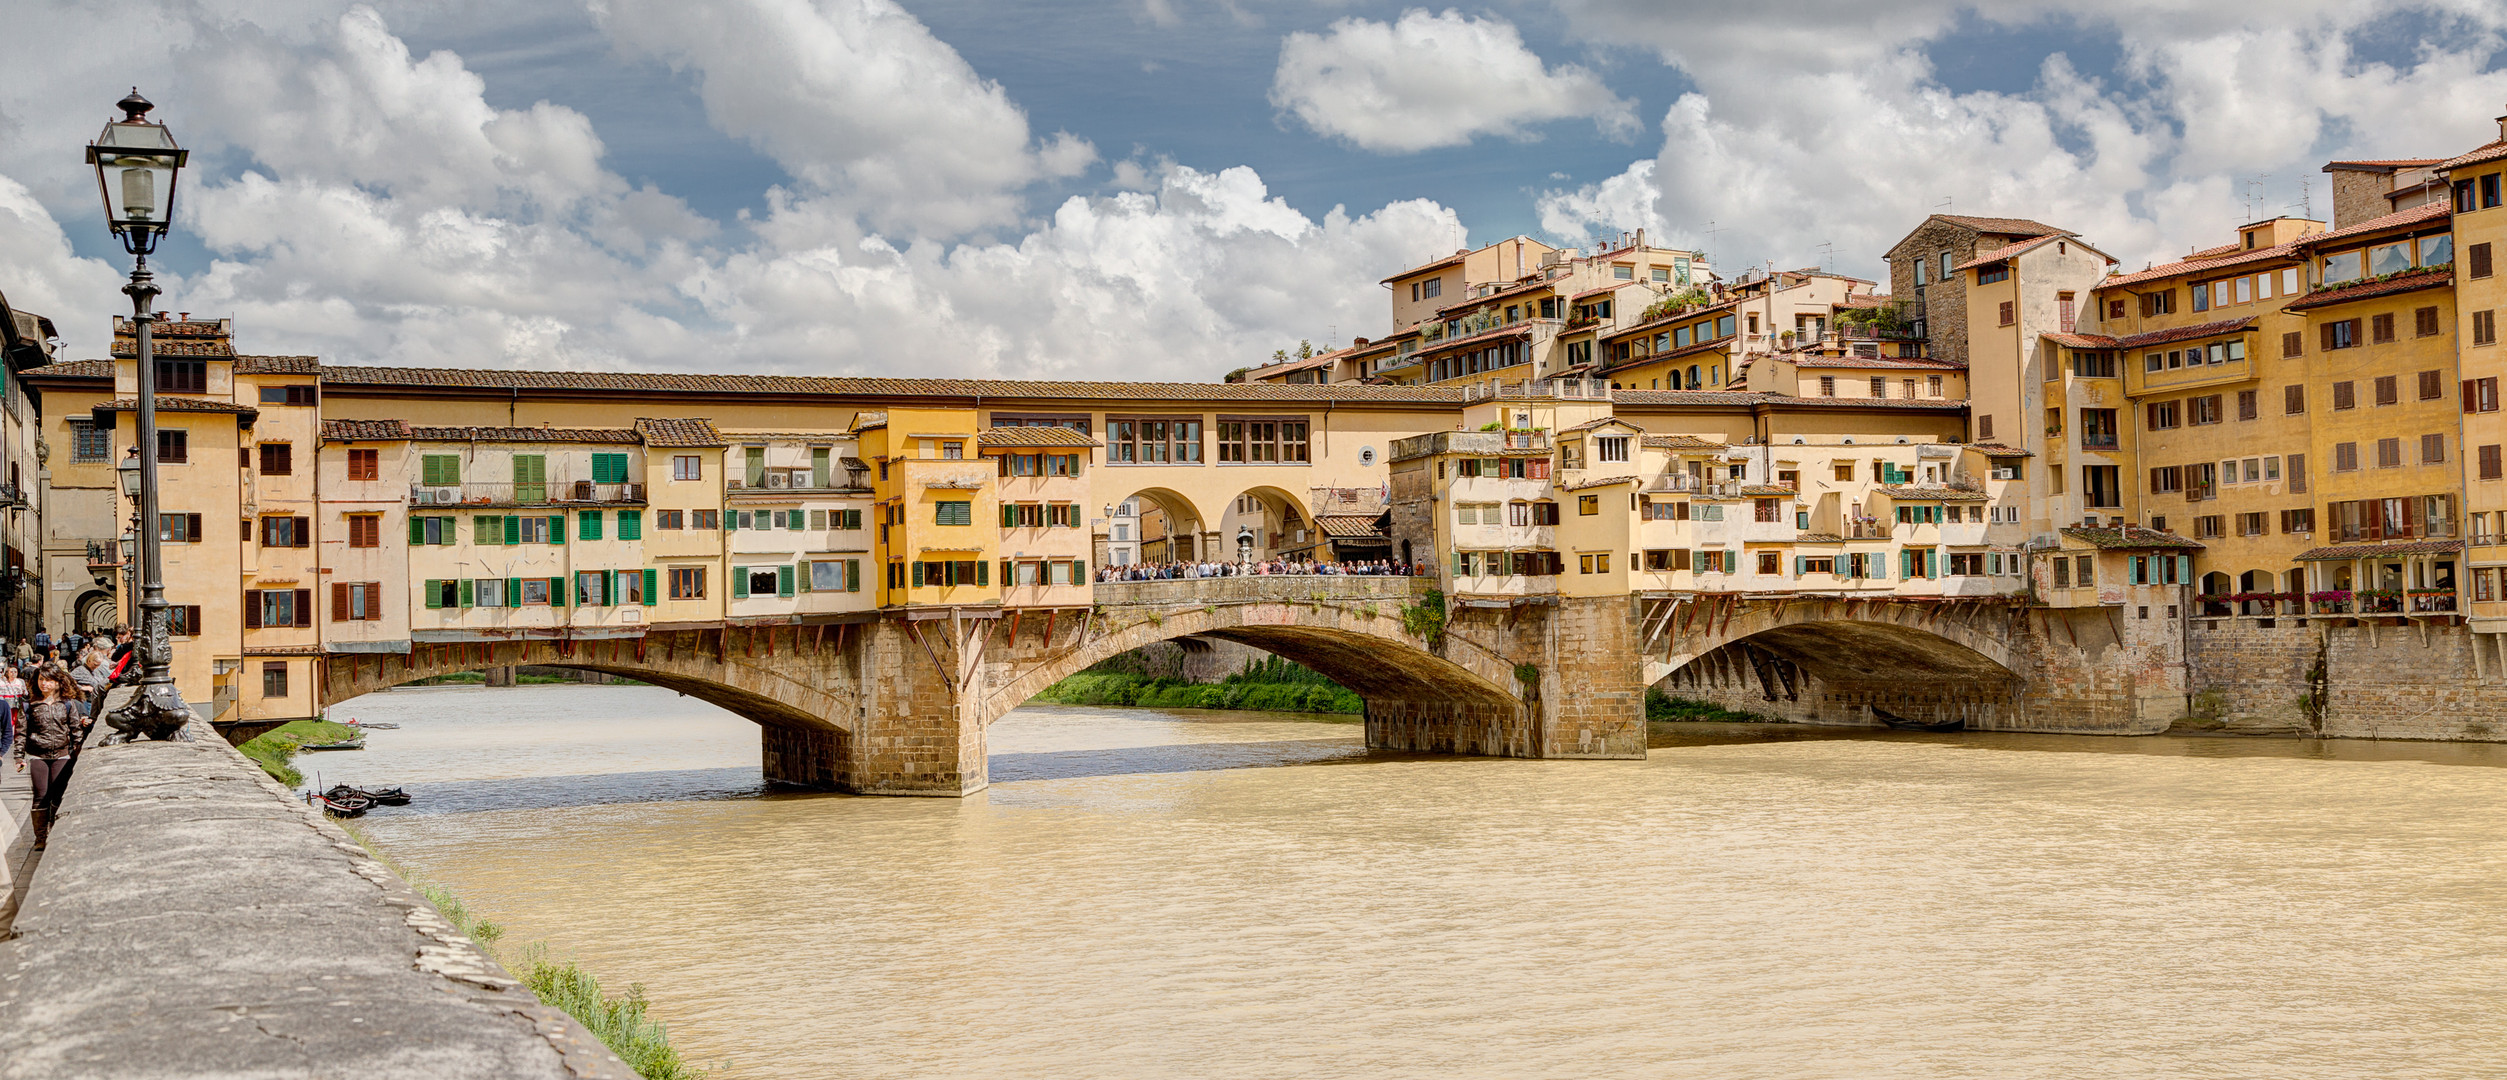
(2102,442)
(782,479)
(1530,389)
(1868,530)
(550,493)
(1685,484)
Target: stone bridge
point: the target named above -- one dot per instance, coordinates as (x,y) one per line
(897,702)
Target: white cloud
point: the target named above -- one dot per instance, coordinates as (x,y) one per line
(1428,80)
(858,101)
(1859,140)
(1623,203)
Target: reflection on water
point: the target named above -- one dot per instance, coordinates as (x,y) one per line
(1133,898)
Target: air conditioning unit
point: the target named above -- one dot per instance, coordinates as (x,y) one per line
(776,480)
(439,496)
(2006,473)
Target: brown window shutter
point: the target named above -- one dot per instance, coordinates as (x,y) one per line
(2324,336)
(2480,254)
(2471,400)
(2297,466)
(374,602)
(252,609)
(304,607)
(2490,462)
(339,601)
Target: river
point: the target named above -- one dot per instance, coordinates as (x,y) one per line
(1189,894)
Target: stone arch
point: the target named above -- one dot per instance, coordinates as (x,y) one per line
(1276,506)
(1175,514)
(96,612)
(1360,645)
(1846,661)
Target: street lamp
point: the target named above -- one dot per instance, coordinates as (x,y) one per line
(136,163)
(1244,546)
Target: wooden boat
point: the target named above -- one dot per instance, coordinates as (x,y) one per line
(353,744)
(1906,724)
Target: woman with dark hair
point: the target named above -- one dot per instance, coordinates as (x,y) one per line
(50,734)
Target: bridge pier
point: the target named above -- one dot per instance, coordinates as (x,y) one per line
(1575,676)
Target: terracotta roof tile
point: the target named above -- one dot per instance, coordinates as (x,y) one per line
(71,369)
(1028,437)
(170,403)
(1597,422)
(278,365)
(1348,526)
(1817,538)
(2014,226)
(693,431)
(1604,481)
(2010,251)
(365,430)
(2203,264)
(2412,281)
(1920,493)
(2083,341)
(1763,491)
(1997,450)
(342,376)
(1678,442)
(524,434)
(2379,550)
(1422,267)
(2397,219)
(2131,537)
(2182,333)
(2490,151)
(1819,360)
(2381,163)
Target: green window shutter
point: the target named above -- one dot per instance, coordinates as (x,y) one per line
(631,524)
(1906,564)
(1797,565)
(588,524)
(609,587)
(417,530)
(467,594)
(1079,571)
(783,580)
(801,578)
(609,468)
(853,575)
(983,572)
(435,592)
(557,591)
(1932,562)
(2184,569)
(1008,514)
(513,529)
(740,582)
(795,520)
(557,528)
(652,594)
(820,458)
(513,592)
(918,573)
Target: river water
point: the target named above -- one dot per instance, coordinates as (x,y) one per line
(1188,894)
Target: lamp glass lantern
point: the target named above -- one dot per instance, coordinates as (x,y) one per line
(129,471)
(136,162)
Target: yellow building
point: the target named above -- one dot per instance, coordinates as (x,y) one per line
(2474,182)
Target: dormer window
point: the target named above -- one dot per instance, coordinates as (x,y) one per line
(183,376)
(1611,449)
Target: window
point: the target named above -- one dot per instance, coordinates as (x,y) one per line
(173,446)
(2247,407)
(1262,440)
(670,519)
(178,528)
(630,524)
(2252,524)
(529,529)
(2301,520)
(2489,191)
(2485,327)
(1770,562)
(2087,365)
(535,592)
(439,470)
(182,376)
(356,601)
(2342,266)
(2293,399)
(1155,441)
(2162,302)
(587,524)
(2387,390)
(2346,457)
(2099,486)
(277,608)
(2207,527)
(295,531)
(953,512)
(88,444)
(2424,322)
(530,478)
(2293,343)
(2491,464)
(287,395)
(278,459)
(365,530)
(1827,386)
(2203,410)
(2166,479)
(1588,505)
(2008,308)
(687,467)
(1987,275)
(609,468)
(2298,474)
(591,588)
(274,679)
(1623,272)
(838,576)
(2432,449)
(2345,395)
(2339,334)
(687,583)
(2389,453)
(2478,258)
(2062,572)
(2098,429)
(705,519)
(1880,387)
(1431,288)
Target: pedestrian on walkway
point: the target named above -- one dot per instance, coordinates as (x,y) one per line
(12,702)
(50,737)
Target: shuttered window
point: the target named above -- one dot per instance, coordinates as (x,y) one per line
(609,468)
(631,524)
(2490,463)
(440,470)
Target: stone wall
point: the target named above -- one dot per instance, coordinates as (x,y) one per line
(193,919)
(2382,682)
(1944,302)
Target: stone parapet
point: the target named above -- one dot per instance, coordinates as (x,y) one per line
(193,919)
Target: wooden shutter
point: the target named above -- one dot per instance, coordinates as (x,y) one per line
(252,609)
(2480,259)
(513,592)
(783,580)
(557,528)
(740,580)
(417,530)
(434,593)
(2490,463)
(304,532)
(304,607)
(852,575)
(652,583)
(468,594)
(919,574)
(339,601)
(557,591)
(513,529)
(983,572)
(374,603)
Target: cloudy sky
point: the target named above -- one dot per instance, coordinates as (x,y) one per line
(1132,188)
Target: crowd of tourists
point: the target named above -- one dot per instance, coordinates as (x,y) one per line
(50,692)
(1170,571)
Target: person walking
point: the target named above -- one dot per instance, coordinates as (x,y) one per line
(12,701)
(49,737)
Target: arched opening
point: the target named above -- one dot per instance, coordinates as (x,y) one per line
(1279,525)
(1152,525)
(97,613)
(2256,587)
(1843,672)
(2215,592)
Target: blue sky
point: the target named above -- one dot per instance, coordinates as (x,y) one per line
(1163,188)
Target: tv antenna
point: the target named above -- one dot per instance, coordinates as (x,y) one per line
(2254,196)
(1827,253)
(2306,200)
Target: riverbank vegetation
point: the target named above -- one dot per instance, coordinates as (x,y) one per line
(1271,684)
(275,750)
(1663,708)
(622,1022)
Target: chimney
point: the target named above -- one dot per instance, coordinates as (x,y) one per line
(1640,238)
(2502,129)
(183,316)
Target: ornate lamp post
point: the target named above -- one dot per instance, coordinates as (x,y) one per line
(136,163)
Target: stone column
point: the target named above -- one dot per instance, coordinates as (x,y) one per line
(919,734)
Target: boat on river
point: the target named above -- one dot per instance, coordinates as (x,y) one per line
(352,744)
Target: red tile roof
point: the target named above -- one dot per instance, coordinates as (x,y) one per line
(523,434)
(2380,164)
(71,369)
(1021,438)
(2410,281)
(2131,537)
(2013,226)
(1499,295)
(2490,151)
(2201,263)
(340,377)
(1921,493)
(2379,550)
(169,403)
(2397,219)
(679,432)
(278,365)
(1606,481)
(2181,333)
(1424,267)
(1679,442)
(2011,251)
(1893,363)
(365,430)
(1997,450)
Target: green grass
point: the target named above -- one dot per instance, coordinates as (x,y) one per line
(621,1021)
(473,678)
(1268,685)
(1661,707)
(274,749)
